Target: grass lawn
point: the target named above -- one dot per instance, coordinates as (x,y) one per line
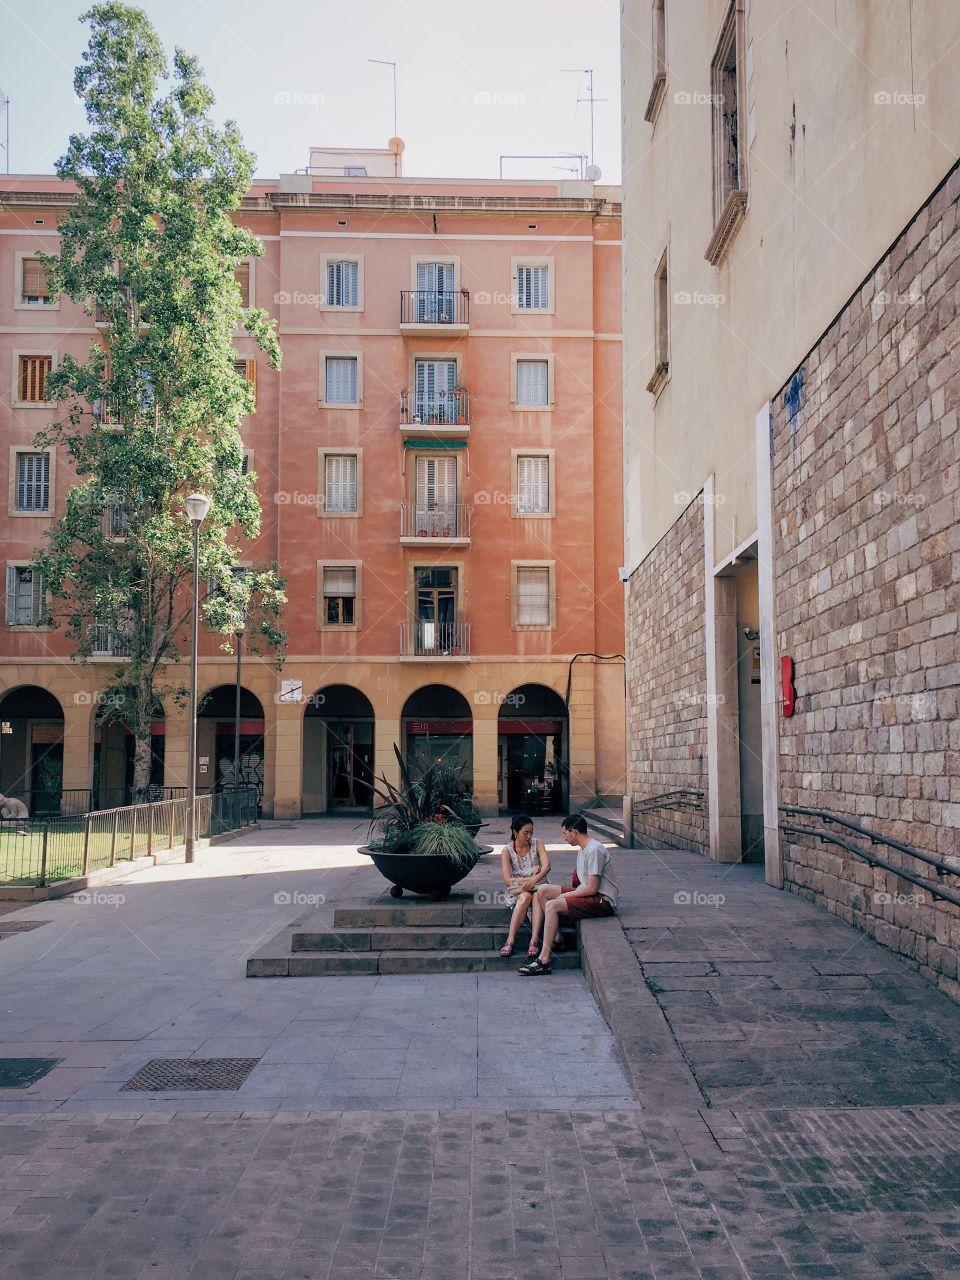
(21,848)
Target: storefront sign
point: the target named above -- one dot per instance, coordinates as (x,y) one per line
(421,728)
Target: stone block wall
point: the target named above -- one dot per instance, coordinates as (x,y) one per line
(667,685)
(867,570)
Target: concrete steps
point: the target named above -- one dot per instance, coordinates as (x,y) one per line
(447,937)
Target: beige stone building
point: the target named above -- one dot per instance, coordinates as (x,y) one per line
(790,396)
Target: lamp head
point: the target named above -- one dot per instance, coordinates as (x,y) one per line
(197,505)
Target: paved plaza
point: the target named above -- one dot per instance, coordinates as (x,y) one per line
(775,1095)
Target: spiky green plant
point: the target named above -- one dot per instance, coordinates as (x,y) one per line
(448,840)
(436,793)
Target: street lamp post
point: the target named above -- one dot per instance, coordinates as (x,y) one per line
(238,637)
(197,505)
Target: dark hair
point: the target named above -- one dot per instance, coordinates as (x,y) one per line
(575,822)
(518,822)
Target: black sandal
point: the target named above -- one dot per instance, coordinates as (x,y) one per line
(534,970)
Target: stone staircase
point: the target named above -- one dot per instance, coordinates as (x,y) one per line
(443,937)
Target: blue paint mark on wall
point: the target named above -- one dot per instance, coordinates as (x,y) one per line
(793,402)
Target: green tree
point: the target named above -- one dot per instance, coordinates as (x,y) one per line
(149,246)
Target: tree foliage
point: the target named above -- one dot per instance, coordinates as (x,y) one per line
(149,247)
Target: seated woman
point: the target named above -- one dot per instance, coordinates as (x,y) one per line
(525,865)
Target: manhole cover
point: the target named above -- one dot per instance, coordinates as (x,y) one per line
(163,1074)
(20,1073)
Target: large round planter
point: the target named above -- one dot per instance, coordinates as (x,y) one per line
(431,876)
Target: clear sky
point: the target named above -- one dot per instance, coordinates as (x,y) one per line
(476,78)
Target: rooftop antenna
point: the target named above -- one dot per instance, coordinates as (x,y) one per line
(382,62)
(588,72)
(5,120)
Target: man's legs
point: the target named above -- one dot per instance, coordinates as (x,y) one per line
(553,903)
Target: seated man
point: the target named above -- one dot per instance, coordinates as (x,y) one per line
(593,892)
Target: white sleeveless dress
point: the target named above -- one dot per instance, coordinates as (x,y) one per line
(522,866)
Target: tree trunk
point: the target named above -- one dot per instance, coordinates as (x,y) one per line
(141,765)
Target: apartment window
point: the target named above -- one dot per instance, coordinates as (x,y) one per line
(355,171)
(242,275)
(26,603)
(32,378)
(343,284)
(533,484)
(533,596)
(436,400)
(105,642)
(34,287)
(33,482)
(659,46)
(341,384)
(661,325)
(339,595)
(340,489)
(729,131)
(533,287)
(247,369)
(533,384)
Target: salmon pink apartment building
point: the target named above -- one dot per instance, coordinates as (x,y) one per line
(440,467)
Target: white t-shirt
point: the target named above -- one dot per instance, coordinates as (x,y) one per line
(594,860)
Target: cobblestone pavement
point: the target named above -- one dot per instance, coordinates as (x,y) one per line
(847,1168)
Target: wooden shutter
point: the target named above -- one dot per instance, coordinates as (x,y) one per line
(341,380)
(242,274)
(33,481)
(25,602)
(533,485)
(247,369)
(433,378)
(13,579)
(33,378)
(533,288)
(533,382)
(533,597)
(436,484)
(339,580)
(340,482)
(34,283)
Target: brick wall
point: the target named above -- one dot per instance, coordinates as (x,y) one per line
(867,565)
(666,685)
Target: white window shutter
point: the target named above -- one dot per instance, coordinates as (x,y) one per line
(533,597)
(36,602)
(342,284)
(533,485)
(340,482)
(339,580)
(13,580)
(341,380)
(533,288)
(533,383)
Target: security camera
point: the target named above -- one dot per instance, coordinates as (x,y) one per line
(751,634)
(623,573)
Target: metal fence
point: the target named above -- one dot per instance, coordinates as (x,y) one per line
(39,850)
(76,801)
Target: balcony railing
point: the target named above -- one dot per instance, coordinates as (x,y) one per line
(434,306)
(441,409)
(419,521)
(422,639)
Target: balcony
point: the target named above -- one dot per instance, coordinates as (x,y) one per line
(442,415)
(423,525)
(434,640)
(433,310)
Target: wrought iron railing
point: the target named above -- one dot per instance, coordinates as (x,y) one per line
(442,408)
(419,520)
(434,639)
(434,306)
(679,798)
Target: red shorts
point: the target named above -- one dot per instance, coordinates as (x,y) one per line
(584,908)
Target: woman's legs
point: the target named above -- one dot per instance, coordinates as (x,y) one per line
(519,913)
(536,926)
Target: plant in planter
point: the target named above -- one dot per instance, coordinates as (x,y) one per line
(422,836)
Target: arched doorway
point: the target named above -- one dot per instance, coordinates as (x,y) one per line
(338,742)
(113,760)
(532,750)
(216,720)
(31,748)
(437,727)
